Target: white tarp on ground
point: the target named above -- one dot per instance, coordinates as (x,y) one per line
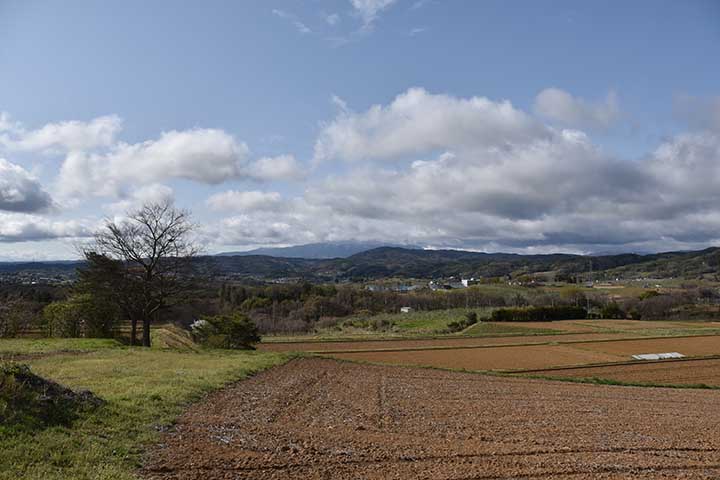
(657,356)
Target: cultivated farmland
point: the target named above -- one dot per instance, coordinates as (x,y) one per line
(693,372)
(314,419)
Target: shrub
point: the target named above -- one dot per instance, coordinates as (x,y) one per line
(16,315)
(649,294)
(613,311)
(471,318)
(538,314)
(235,331)
(80,316)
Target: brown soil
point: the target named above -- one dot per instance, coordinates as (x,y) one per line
(432,343)
(498,358)
(688,346)
(640,324)
(322,419)
(683,372)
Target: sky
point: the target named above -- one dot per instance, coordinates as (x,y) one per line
(516,126)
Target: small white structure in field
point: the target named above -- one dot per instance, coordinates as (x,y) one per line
(405,309)
(658,356)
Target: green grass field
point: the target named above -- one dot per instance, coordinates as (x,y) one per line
(145,389)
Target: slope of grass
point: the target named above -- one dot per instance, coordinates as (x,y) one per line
(486,329)
(145,389)
(417,322)
(28,346)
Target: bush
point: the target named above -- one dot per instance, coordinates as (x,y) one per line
(471,318)
(234,331)
(16,315)
(80,316)
(537,314)
(612,311)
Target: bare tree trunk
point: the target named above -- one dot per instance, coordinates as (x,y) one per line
(133,331)
(146,331)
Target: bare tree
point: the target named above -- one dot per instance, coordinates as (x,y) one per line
(155,246)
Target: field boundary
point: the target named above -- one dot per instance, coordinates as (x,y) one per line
(611,364)
(501,345)
(419,337)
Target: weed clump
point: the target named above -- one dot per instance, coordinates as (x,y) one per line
(30,402)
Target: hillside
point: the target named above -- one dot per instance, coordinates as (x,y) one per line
(389,262)
(324,250)
(385,262)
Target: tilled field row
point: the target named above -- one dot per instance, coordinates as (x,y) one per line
(318,419)
(667,372)
(458,342)
(525,357)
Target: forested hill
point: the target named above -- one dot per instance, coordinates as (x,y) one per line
(385,262)
(388,262)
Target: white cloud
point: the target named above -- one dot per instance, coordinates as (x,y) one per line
(417,121)
(23,228)
(331,19)
(474,173)
(208,156)
(59,137)
(20,191)
(282,167)
(247,201)
(299,26)
(558,105)
(152,193)
(369,10)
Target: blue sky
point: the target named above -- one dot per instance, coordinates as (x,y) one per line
(397,120)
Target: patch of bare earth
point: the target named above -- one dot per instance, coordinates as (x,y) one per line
(461,342)
(323,419)
(669,372)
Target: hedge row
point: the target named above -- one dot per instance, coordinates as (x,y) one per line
(537,314)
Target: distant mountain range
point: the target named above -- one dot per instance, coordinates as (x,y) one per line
(396,262)
(316,250)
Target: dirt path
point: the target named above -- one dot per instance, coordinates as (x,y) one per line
(323,419)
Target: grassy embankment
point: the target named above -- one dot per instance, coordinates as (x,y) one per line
(413,325)
(144,390)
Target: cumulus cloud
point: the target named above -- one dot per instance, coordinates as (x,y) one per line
(475,173)
(203,155)
(24,228)
(424,168)
(417,121)
(20,191)
(560,106)
(282,167)
(152,193)
(245,201)
(207,156)
(61,136)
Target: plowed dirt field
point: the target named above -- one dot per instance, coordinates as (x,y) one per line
(672,372)
(323,419)
(462,342)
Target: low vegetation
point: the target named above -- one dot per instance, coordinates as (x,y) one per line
(142,391)
(538,314)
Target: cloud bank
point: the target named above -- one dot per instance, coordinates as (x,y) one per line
(424,168)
